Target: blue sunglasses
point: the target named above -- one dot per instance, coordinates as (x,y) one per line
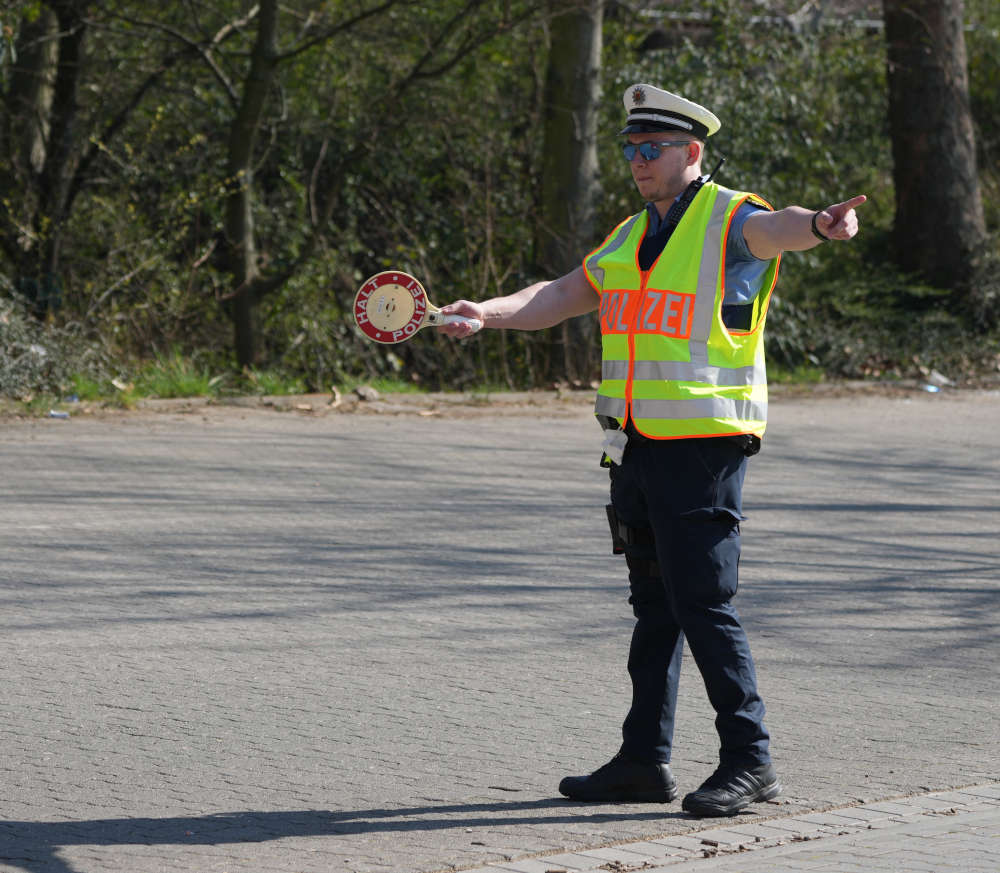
(650,151)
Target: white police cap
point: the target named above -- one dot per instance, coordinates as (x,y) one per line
(651,109)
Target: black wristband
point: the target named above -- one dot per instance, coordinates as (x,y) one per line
(815,230)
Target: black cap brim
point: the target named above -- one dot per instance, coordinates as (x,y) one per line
(694,128)
(645,127)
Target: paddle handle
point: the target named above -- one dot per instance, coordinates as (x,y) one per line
(436,318)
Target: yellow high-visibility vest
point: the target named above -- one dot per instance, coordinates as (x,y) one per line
(668,362)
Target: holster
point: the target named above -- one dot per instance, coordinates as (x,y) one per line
(617,540)
(623,535)
(637,544)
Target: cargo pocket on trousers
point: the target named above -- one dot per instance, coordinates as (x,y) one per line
(711,543)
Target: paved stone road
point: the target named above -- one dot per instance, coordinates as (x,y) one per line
(927,833)
(240,640)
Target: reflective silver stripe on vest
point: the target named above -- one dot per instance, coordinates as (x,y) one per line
(741,409)
(708,279)
(614,369)
(592,262)
(681,371)
(613,406)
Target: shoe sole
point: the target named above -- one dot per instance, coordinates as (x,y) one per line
(709,810)
(626,797)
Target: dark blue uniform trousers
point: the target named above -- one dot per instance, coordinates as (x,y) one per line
(684,500)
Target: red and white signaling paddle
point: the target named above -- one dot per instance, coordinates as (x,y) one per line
(392,306)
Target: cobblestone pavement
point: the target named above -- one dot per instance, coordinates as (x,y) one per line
(243,640)
(930,833)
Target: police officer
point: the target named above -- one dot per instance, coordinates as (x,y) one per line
(682,289)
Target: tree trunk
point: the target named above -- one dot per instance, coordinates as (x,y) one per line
(242,250)
(23,141)
(570,182)
(939,211)
(42,146)
(30,95)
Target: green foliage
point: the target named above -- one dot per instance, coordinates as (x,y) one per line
(390,145)
(854,321)
(40,358)
(983,49)
(801,375)
(87,389)
(804,121)
(172,374)
(273,382)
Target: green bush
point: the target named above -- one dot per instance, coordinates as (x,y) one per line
(427,183)
(38,357)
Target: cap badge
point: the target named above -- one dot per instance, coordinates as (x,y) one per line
(638,96)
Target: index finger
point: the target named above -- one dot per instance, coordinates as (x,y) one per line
(854,201)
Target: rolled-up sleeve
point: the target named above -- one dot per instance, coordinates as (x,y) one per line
(744,271)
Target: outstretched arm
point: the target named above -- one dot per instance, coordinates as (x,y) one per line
(543,304)
(768,234)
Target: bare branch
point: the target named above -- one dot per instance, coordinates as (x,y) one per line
(199,47)
(116,123)
(471,42)
(313,179)
(204,256)
(340,27)
(228,29)
(442,37)
(128,277)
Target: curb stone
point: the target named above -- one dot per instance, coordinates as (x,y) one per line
(674,854)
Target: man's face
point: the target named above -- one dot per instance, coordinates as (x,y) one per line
(663,178)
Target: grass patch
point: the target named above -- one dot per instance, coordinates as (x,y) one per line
(88,389)
(173,375)
(272,382)
(801,375)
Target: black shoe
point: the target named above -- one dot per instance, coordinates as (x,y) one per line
(623,780)
(729,790)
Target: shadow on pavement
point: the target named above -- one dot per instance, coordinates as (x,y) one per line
(33,847)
